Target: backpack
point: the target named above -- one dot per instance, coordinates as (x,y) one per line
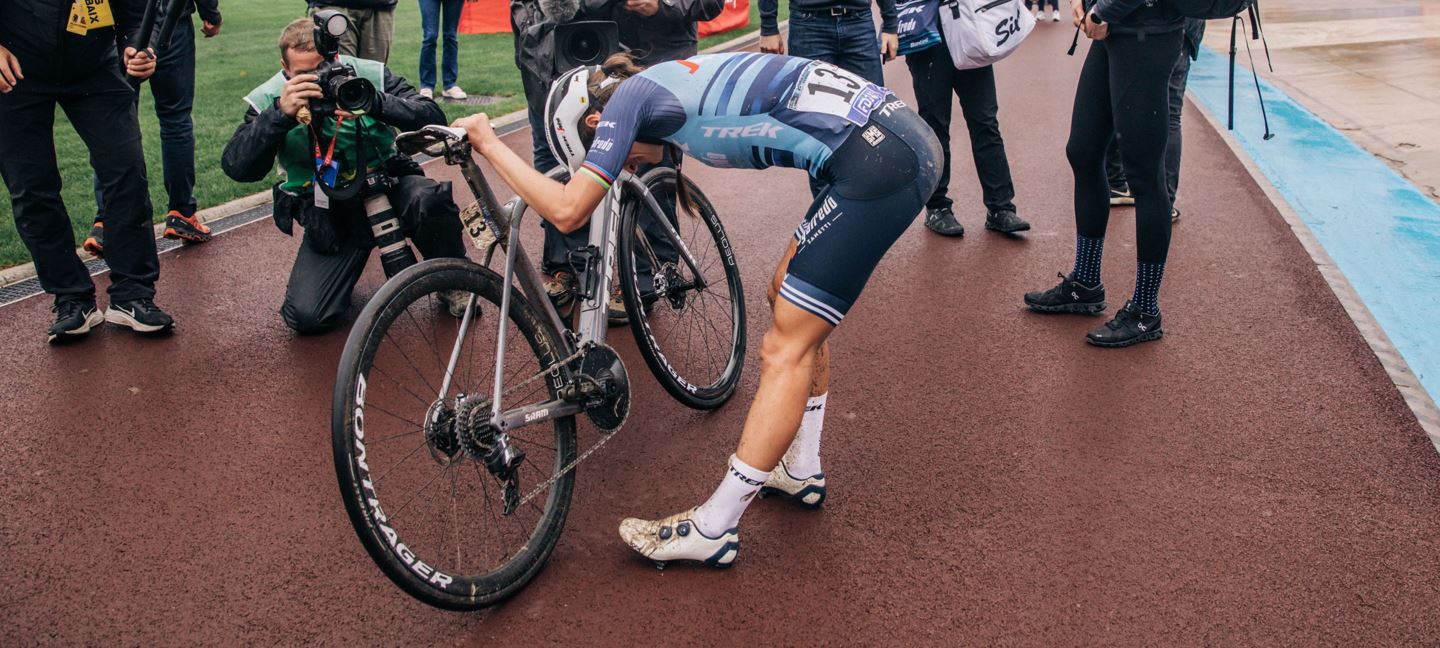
(1210,9)
(982,32)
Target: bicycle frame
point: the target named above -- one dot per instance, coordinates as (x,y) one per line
(593,322)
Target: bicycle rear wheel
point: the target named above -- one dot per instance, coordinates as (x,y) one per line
(412,462)
(690,328)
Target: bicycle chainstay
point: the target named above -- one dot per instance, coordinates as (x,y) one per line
(583,456)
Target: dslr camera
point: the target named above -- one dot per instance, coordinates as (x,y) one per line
(342,87)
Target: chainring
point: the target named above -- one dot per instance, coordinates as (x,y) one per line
(604,366)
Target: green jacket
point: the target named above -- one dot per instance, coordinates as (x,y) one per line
(297,155)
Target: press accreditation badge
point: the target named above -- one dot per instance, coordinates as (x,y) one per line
(827,89)
(86,15)
(322,199)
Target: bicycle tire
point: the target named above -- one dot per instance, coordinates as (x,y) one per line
(693,392)
(382,540)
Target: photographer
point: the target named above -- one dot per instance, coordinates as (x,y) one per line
(344,150)
(44,63)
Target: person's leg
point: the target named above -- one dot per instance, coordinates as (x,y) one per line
(450,68)
(931,76)
(1139,86)
(1115,175)
(102,110)
(379,33)
(802,458)
(981,107)
(859,50)
(28,166)
(173,87)
(429,32)
(318,293)
(428,213)
(1091,129)
(1178,80)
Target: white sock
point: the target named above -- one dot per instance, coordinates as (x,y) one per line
(802,459)
(722,511)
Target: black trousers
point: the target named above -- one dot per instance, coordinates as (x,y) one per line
(1124,89)
(102,110)
(1115,169)
(934,77)
(324,276)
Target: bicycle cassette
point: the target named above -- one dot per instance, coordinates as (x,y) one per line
(607,386)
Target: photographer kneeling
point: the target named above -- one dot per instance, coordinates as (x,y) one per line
(323,117)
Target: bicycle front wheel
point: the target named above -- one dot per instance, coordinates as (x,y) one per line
(689,326)
(414,454)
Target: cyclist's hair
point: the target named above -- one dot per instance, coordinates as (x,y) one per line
(299,35)
(602,85)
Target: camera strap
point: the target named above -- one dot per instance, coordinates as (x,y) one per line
(327,171)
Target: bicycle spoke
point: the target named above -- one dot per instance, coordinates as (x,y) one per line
(410,362)
(392,437)
(402,386)
(397,464)
(394,515)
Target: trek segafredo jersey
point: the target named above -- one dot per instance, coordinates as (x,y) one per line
(741,110)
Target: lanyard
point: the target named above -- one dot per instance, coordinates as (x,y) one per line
(329,152)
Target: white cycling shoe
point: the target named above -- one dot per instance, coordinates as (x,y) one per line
(677,538)
(808,492)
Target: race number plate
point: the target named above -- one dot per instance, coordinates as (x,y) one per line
(824,88)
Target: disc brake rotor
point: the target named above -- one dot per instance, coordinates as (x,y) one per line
(609,403)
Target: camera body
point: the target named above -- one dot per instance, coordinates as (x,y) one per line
(342,87)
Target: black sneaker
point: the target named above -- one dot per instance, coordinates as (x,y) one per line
(1121,196)
(1005,221)
(941,220)
(140,315)
(73,319)
(1068,297)
(1130,326)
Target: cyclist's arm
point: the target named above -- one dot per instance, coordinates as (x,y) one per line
(566,206)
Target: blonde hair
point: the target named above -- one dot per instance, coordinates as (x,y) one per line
(299,35)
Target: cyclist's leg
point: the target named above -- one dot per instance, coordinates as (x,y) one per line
(802,458)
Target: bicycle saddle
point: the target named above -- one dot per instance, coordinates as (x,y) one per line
(430,140)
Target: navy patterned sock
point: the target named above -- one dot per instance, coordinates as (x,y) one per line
(1087,260)
(1147,286)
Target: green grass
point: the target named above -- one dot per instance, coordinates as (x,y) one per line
(240,58)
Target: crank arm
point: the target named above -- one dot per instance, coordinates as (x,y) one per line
(537,413)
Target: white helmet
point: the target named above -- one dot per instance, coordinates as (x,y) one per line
(567,104)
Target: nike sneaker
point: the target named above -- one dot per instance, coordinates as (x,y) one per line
(140,315)
(1121,196)
(73,319)
(677,538)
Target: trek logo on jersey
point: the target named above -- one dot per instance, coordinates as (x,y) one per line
(891,107)
(736,132)
(606,124)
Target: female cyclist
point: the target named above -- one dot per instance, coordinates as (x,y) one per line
(880,163)
(1124,90)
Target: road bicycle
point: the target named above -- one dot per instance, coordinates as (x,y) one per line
(453,416)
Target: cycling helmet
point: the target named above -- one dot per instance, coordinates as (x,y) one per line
(567,104)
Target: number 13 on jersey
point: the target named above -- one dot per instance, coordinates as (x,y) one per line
(824,88)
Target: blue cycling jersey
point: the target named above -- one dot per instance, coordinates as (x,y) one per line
(741,110)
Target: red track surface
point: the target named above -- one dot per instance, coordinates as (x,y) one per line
(1252,478)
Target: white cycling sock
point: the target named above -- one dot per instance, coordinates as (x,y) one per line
(802,459)
(722,511)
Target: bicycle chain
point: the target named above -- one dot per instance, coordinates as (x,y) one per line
(570,466)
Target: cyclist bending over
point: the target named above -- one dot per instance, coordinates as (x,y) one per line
(880,163)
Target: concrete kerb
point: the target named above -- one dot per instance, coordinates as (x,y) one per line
(504,125)
(1425,410)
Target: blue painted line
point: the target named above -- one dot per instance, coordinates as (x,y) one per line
(1382,233)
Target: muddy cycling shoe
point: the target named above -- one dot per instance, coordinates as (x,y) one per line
(1130,326)
(941,220)
(560,288)
(1005,221)
(454,301)
(140,315)
(186,228)
(73,319)
(677,538)
(95,242)
(808,492)
(615,309)
(1069,296)
(1121,196)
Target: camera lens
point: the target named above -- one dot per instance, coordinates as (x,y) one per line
(354,95)
(585,47)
